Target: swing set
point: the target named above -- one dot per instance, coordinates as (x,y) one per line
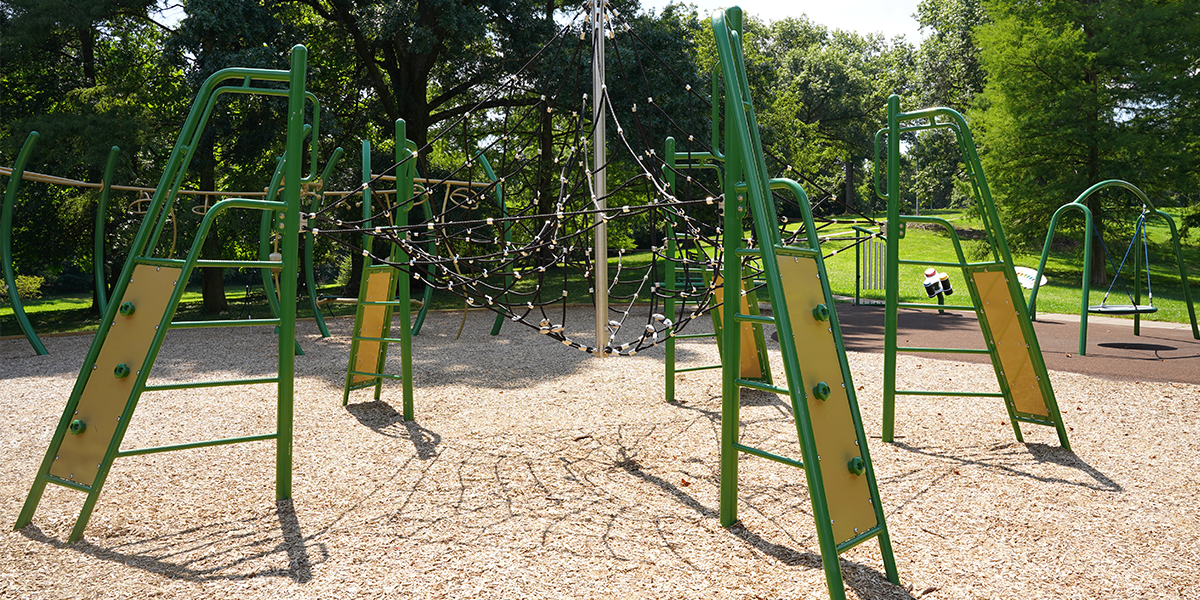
(1138,246)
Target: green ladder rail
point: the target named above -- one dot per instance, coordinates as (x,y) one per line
(6,258)
(992,285)
(1150,210)
(755,366)
(847,510)
(385,292)
(115,372)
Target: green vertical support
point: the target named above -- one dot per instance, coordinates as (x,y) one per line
(290,248)
(891,276)
(404,189)
(6,258)
(671,250)
(98,240)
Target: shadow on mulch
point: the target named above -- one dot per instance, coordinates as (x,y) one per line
(1042,453)
(213,552)
(385,420)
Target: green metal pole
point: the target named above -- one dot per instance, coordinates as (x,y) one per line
(287,278)
(506,229)
(404,189)
(310,277)
(671,252)
(891,278)
(730,297)
(98,238)
(6,218)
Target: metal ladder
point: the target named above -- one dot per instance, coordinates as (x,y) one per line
(845,499)
(118,364)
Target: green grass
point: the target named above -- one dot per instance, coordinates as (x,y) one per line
(70,312)
(1064,270)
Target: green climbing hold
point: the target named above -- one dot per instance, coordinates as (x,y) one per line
(821,391)
(857,466)
(122,371)
(821,312)
(77,427)
(127,308)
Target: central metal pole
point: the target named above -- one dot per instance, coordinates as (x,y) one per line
(600,280)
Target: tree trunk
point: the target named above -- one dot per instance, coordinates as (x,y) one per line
(849,205)
(212,279)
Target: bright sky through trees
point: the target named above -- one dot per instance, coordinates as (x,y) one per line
(889,17)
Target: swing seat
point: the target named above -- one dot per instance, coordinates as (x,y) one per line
(1122,309)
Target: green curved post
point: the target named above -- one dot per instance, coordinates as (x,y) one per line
(505,227)
(101,217)
(310,239)
(1087,268)
(671,250)
(431,247)
(6,258)
(1089,231)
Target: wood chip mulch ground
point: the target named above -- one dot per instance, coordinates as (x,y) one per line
(534,471)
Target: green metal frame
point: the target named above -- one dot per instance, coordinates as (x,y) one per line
(101,220)
(1089,229)
(1001,258)
(400,306)
(6,258)
(747,187)
(671,282)
(142,253)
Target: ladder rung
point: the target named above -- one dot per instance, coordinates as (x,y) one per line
(239,264)
(202,384)
(380,302)
(375,339)
(690,369)
(159,262)
(939,393)
(365,374)
(748,252)
(1034,421)
(692,336)
(767,455)
(944,350)
(188,446)
(926,306)
(907,261)
(763,387)
(858,539)
(753,319)
(67,483)
(225,323)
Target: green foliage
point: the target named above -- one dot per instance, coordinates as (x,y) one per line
(28,287)
(1081,92)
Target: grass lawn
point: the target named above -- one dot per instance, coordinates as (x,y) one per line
(1064,270)
(71,312)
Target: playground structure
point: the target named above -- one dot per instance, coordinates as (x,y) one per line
(996,297)
(115,372)
(846,504)
(1139,246)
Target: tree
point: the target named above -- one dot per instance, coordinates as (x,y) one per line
(830,87)
(1079,92)
(85,75)
(948,74)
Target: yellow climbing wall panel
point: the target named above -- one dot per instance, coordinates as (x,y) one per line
(847,495)
(104,395)
(374,319)
(1004,320)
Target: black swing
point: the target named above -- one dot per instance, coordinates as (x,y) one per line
(1133,308)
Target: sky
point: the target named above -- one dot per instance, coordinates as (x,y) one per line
(889,17)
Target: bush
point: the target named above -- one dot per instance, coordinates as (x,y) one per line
(28,287)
